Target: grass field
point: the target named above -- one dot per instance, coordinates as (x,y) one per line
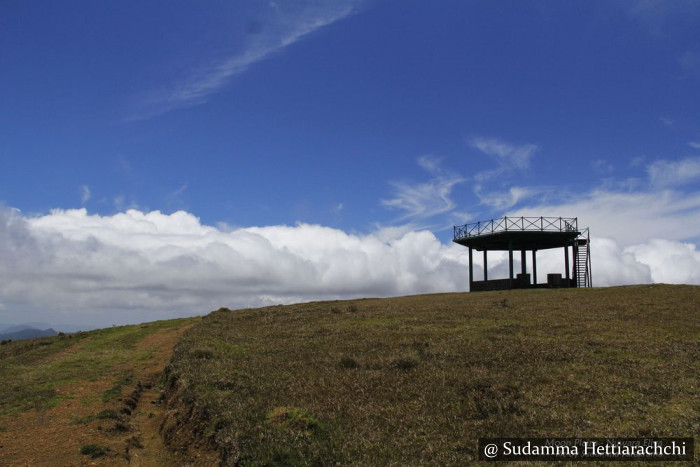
(417,380)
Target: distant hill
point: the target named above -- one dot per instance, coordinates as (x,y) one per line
(27,333)
(6,329)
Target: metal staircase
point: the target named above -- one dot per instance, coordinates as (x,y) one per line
(582,260)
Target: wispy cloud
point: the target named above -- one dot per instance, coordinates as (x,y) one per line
(666,173)
(286,23)
(507,199)
(511,159)
(421,201)
(602,166)
(694,144)
(509,155)
(179,191)
(659,16)
(85,194)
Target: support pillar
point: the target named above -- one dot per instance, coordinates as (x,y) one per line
(510,264)
(486,273)
(471,271)
(523,262)
(534,267)
(566,264)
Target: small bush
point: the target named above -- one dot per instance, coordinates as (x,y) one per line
(293,417)
(202,354)
(94,451)
(347,362)
(120,427)
(404,364)
(108,414)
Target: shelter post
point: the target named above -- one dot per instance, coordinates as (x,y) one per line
(471,271)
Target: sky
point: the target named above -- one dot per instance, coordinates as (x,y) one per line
(163,159)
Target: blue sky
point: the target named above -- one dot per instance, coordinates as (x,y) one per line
(369,119)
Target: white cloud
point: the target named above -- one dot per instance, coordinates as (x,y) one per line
(673,262)
(665,173)
(602,166)
(667,121)
(136,266)
(421,201)
(507,199)
(286,24)
(85,194)
(628,218)
(510,156)
(694,144)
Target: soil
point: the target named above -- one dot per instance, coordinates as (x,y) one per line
(130,435)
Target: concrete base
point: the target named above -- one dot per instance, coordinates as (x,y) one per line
(518,283)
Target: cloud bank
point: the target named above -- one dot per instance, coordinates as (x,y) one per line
(70,266)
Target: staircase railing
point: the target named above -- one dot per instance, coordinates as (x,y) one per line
(582,259)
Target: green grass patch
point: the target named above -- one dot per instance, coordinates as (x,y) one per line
(31,370)
(417,380)
(103,415)
(116,390)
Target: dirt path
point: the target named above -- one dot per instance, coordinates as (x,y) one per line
(123,431)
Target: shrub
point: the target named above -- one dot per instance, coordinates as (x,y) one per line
(404,364)
(94,451)
(347,362)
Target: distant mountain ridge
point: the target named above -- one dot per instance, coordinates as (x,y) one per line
(26,333)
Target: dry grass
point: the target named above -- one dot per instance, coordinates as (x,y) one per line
(417,380)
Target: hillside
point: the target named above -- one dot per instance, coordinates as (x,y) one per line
(417,380)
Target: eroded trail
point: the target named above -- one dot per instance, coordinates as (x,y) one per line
(104,421)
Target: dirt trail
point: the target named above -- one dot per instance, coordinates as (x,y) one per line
(127,430)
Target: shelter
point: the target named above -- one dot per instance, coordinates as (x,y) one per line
(528,234)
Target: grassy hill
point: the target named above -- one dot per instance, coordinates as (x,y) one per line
(411,380)
(417,380)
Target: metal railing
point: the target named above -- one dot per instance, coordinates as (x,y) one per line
(506,224)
